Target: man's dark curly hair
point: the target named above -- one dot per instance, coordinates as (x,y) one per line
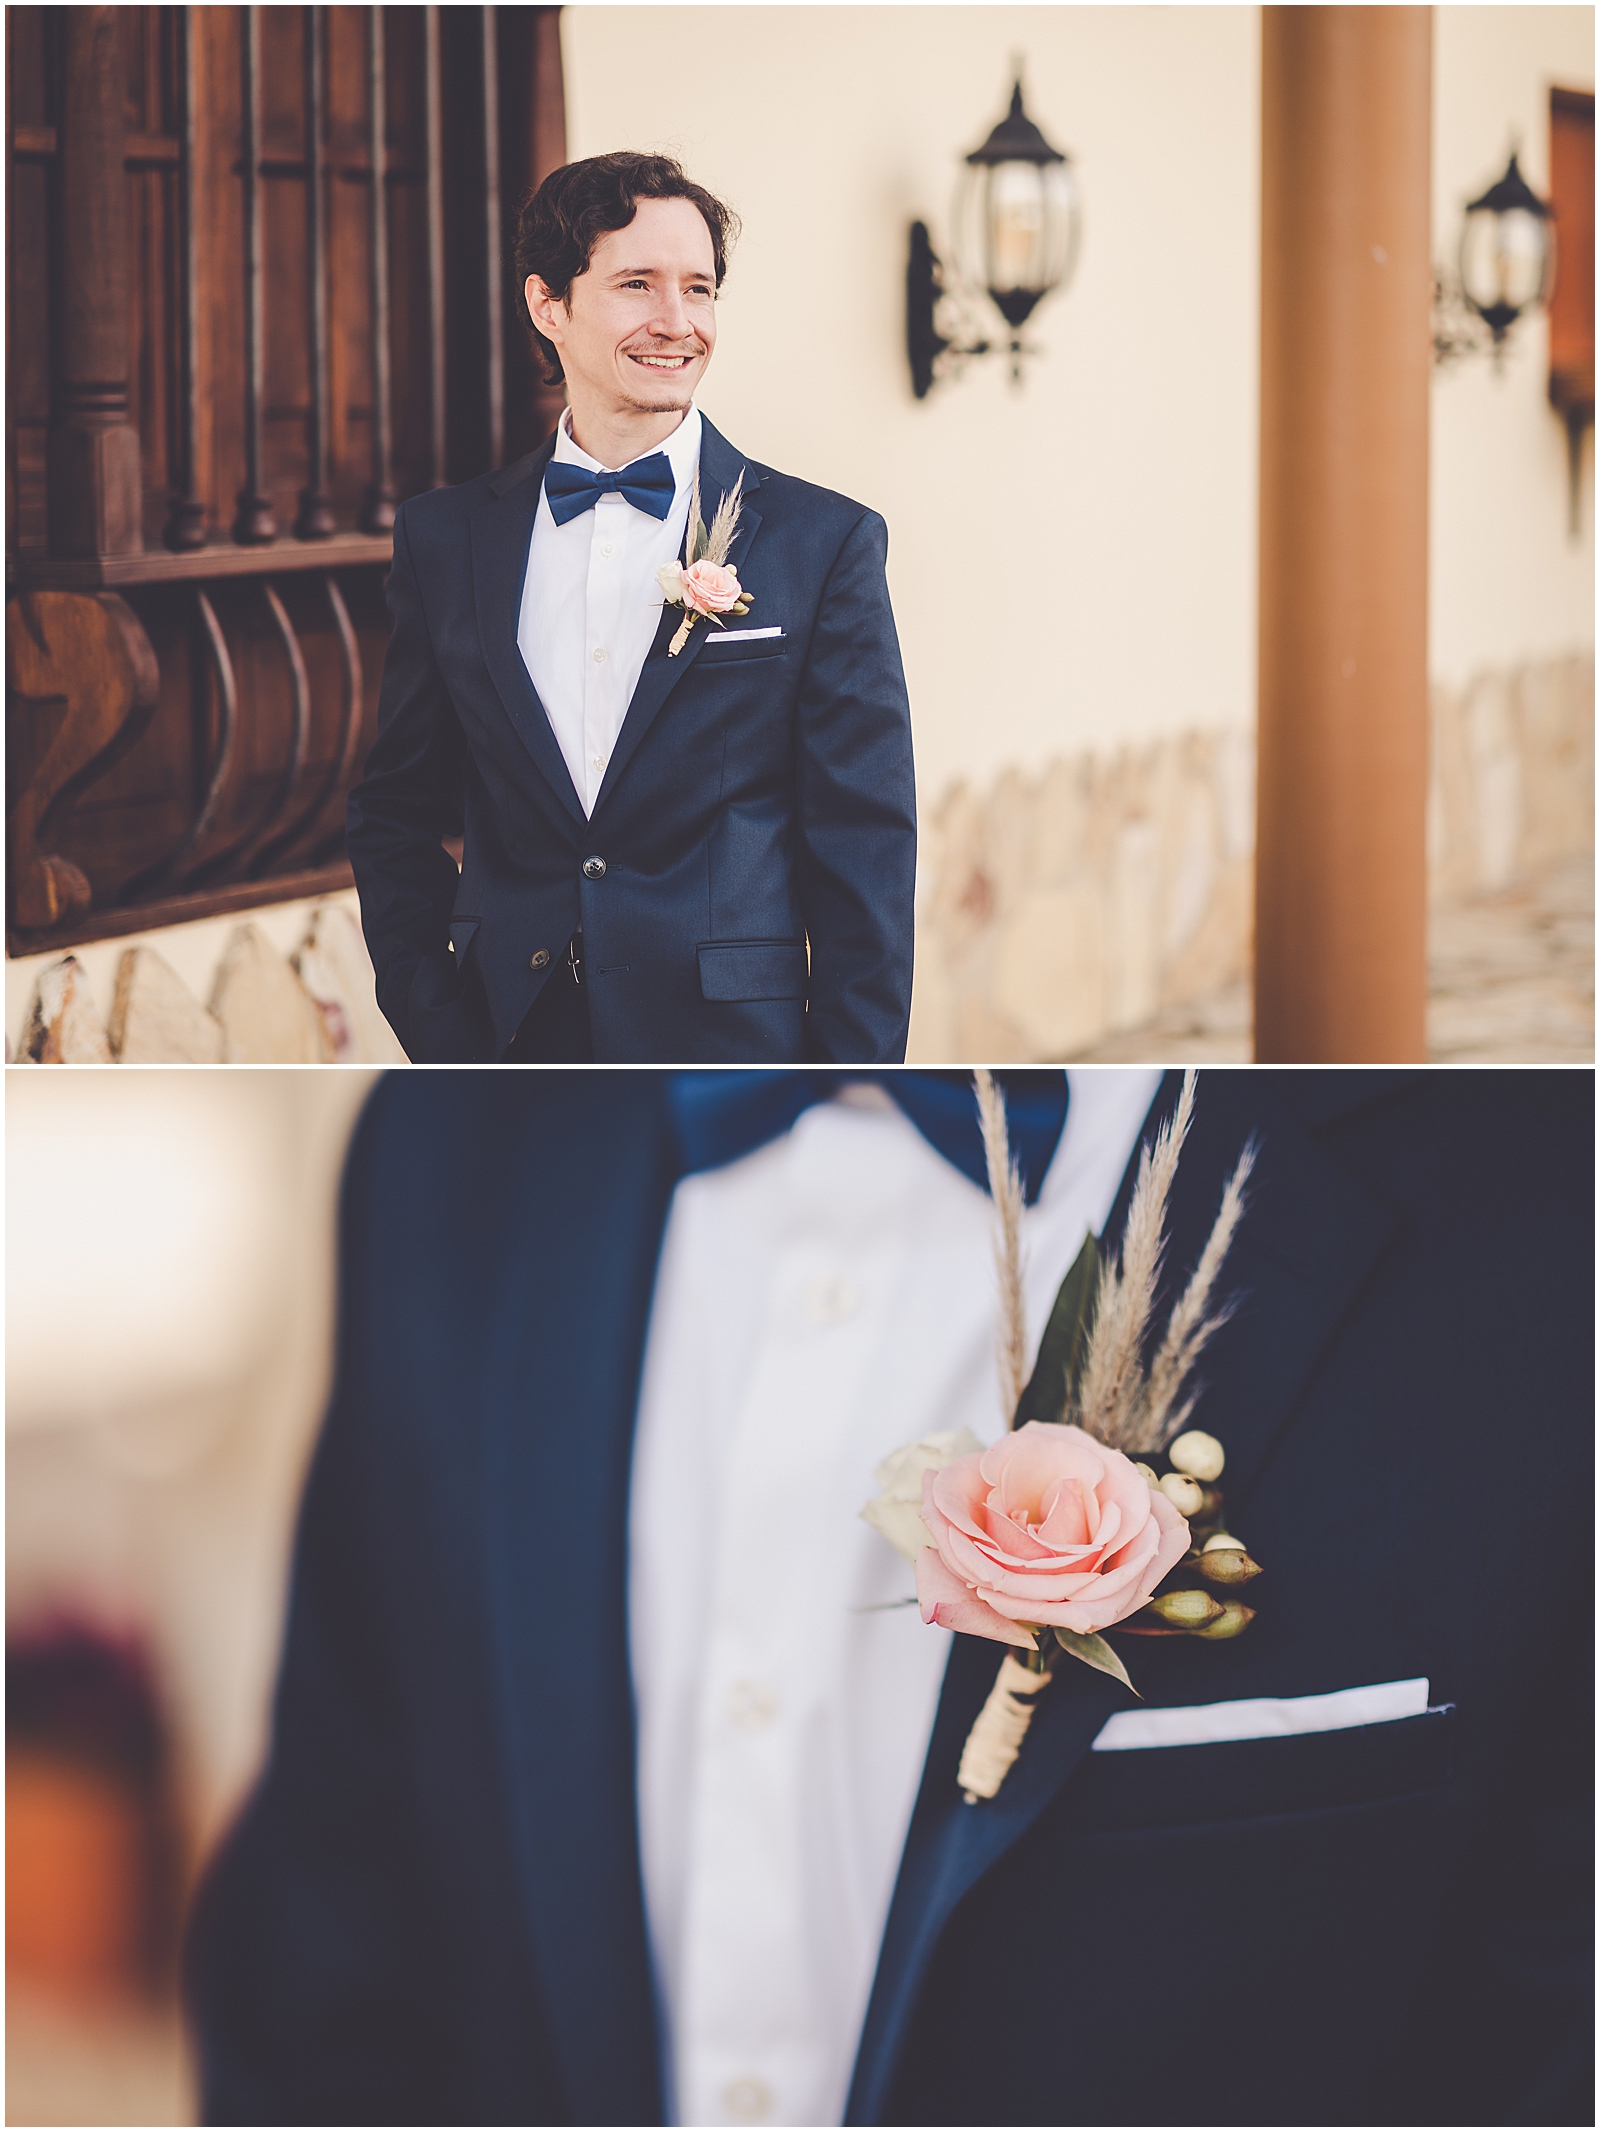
(561,223)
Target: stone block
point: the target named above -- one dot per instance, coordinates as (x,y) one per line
(1049,976)
(1495,758)
(1555,704)
(1511,776)
(1057,908)
(933,1003)
(268,1018)
(63,1026)
(1132,966)
(987,1035)
(333,966)
(1218,952)
(1192,856)
(1231,766)
(156,1020)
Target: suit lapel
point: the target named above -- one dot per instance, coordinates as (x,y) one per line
(502,533)
(1310,1240)
(562,1396)
(720,468)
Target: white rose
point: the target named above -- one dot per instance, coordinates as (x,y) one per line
(897,1510)
(670,578)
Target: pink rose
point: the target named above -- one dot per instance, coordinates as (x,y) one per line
(709,588)
(1045,1526)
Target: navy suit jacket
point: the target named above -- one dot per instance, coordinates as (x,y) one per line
(431,1910)
(759,798)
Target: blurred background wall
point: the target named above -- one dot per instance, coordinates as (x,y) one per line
(1510,584)
(169,1306)
(1073,562)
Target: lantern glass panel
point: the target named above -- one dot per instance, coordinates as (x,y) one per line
(1016,226)
(1506,258)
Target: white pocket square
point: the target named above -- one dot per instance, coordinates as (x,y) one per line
(1262,1717)
(739,636)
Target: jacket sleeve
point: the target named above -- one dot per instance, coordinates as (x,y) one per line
(1514,1999)
(408,801)
(857,813)
(315,1946)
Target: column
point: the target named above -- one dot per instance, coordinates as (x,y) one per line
(1341,946)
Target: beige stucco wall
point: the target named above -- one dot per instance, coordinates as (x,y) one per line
(1508,585)
(1105,513)
(1072,564)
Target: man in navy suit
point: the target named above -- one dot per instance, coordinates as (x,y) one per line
(563,1817)
(697,850)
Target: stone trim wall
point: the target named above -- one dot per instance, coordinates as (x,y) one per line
(314,1006)
(1511,791)
(1057,910)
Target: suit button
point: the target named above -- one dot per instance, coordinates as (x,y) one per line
(752,1705)
(594,868)
(747,2101)
(538,960)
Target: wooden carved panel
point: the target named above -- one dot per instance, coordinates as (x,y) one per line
(306,231)
(81,683)
(207,771)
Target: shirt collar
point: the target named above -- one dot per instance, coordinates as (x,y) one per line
(682,448)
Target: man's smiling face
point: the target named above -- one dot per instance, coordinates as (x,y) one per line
(639,326)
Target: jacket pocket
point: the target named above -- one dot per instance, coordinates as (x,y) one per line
(752,969)
(1227,1780)
(734,647)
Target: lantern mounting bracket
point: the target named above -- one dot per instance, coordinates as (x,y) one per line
(932,353)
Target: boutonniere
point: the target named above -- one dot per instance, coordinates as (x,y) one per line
(1099,1510)
(703,585)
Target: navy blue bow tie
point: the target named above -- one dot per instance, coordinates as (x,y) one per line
(649,485)
(719,1116)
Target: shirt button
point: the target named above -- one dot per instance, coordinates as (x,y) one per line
(606,549)
(597,762)
(752,1705)
(538,959)
(828,1299)
(594,867)
(599,655)
(747,2100)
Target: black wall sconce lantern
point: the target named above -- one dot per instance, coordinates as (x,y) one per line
(1505,266)
(1508,252)
(1017,230)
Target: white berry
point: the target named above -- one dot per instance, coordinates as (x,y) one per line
(1197,1453)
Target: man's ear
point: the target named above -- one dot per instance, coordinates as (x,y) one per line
(545,309)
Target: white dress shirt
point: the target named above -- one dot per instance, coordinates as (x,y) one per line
(591,603)
(819,1302)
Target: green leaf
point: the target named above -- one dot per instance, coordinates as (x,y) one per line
(1049,1391)
(1096,1652)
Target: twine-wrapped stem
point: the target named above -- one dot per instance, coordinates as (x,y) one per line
(996,1739)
